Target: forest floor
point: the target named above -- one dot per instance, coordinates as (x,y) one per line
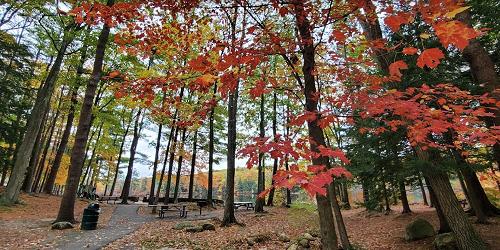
(27,225)
(366,230)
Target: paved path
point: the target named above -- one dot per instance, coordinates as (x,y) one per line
(124,221)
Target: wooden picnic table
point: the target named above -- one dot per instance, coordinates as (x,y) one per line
(247,204)
(109,198)
(171,207)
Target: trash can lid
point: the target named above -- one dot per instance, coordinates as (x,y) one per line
(94,206)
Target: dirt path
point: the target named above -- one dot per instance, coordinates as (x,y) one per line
(124,221)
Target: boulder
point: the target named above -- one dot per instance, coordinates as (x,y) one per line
(250,241)
(62,225)
(195,229)
(419,229)
(445,241)
(308,236)
(208,226)
(283,237)
(182,225)
(314,232)
(293,247)
(304,243)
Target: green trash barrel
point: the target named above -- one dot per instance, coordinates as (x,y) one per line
(90,217)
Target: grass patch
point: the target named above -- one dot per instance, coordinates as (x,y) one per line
(309,207)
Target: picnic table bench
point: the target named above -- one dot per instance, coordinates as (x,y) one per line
(247,204)
(171,207)
(109,198)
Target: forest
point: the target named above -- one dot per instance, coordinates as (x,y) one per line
(293,107)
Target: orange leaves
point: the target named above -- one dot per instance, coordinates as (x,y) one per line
(332,153)
(395,69)
(200,64)
(454,33)
(258,90)
(430,58)
(114,74)
(410,51)
(395,21)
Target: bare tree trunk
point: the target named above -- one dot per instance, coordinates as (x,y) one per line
(193,165)
(41,164)
(92,156)
(179,166)
(466,236)
(66,210)
(327,225)
(422,189)
(112,189)
(404,198)
(162,174)
(275,163)
(211,151)
(172,156)
(344,238)
(28,178)
(259,203)
(133,147)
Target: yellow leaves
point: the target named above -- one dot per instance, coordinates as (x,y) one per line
(425,36)
(456,11)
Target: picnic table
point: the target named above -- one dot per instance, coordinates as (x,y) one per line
(171,207)
(247,204)
(109,198)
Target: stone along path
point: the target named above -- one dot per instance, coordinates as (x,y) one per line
(124,220)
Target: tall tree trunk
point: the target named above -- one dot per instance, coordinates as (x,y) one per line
(92,156)
(422,189)
(232,111)
(345,195)
(404,198)
(155,164)
(133,147)
(193,165)
(179,166)
(466,236)
(172,156)
(28,178)
(41,164)
(464,187)
(40,107)
(275,163)
(162,174)
(481,209)
(124,138)
(171,166)
(259,203)
(444,227)
(67,208)
(484,73)
(344,238)
(211,150)
(327,226)
(49,184)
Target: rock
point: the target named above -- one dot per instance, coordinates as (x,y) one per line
(304,243)
(250,241)
(419,229)
(208,226)
(314,232)
(308,236)
(293,247)
(195,229)
(182,225)
(62,225)
(445,241)
(283,237)
(261,238)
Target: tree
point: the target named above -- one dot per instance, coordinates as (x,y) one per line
(66,210)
